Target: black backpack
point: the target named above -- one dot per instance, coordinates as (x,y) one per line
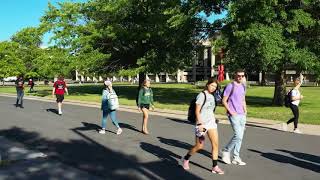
(287,99)
(192,108)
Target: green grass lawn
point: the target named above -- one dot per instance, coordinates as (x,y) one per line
(178,96)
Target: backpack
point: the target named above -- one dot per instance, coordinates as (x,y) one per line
(287,98)
(192,108)
(113,101)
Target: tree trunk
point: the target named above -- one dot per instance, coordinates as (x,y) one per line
(280,89)
(263,80)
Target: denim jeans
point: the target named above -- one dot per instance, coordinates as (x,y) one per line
(20,94)
(238,123)
(113,117)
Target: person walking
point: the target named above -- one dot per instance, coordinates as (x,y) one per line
(145,101)
(59,89)
(109,105)
(296,97)
(205,124)
(20,91)
(31,84)
(235,103)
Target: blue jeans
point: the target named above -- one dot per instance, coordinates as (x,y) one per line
(238,123)
(20,94)
(112,114)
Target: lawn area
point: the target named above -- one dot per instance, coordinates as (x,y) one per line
(178,96)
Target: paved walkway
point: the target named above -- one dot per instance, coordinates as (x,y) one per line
(254,122)
(69,147)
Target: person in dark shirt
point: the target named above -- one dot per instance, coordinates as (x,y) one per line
(59,88)
(20,91)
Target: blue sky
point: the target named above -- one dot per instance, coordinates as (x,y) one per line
(18,14)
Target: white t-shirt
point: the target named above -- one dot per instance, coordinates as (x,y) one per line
(206,113)
(295,92)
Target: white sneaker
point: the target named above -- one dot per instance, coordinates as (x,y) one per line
(297,131)
(226,157)
(102,131)
(238,161)
(60,112)
(284,127)
(119,131)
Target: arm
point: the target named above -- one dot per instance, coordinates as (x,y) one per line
(198,117)
(244,105)
(139,97)
(66,88)
(151,97)
(53,91)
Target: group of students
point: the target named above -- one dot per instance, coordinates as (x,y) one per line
(233,99)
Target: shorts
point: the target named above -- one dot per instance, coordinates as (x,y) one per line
(147,106)
(60,98)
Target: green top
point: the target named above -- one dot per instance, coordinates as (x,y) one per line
(145,96)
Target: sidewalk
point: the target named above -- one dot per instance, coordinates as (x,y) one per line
(182,115)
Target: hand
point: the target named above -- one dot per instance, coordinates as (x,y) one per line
(201,128)
(139,109)
(233,113)
(301,97)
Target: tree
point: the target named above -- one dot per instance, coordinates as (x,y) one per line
(131,35)
(10,63)
(269,36)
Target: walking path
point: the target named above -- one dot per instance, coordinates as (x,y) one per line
(49,146)
(182,115)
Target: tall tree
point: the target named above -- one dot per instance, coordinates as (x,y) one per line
(131,35)
(268,36)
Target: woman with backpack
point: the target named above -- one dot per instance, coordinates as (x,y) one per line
(295,97)
(205,124)
(109,105)
(145,101)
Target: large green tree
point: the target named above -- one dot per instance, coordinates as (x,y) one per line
(10,63)
(273,36)
(130,35)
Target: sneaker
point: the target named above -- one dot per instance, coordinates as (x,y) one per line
(284,126)
(217,170)
(184,163)
(102,131)
(238,161)
(60,112)
(297,131)
(226,157)
(119,131)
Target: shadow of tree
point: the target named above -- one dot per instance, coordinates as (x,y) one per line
(289,160)
(94,158)
(303,156)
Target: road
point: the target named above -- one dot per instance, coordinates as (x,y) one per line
(72,139)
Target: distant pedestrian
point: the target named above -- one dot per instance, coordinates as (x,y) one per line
(145,102)
(205,124)
(31,84)
(296,97)
(59,89)
(20,91)
(234,102)
(109,105)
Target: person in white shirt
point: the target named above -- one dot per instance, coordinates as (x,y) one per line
(296,96)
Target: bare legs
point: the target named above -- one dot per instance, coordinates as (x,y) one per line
(145,121)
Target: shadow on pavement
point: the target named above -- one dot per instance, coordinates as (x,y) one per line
(88,155)
(55,111)
(128,126)
(180,121)
(303,156)
(289,160)
(168,160)
(183,145)
(262,127)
